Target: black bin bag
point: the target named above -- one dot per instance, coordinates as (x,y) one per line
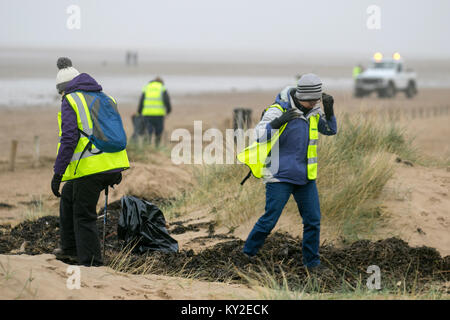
(142,221)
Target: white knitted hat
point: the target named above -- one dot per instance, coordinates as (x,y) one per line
(65,74)
(309,87)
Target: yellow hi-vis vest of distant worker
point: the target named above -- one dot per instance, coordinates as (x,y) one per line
(153,99)
(92,161)
(256,154)
(356,71)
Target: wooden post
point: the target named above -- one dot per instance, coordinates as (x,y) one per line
(36,152)
(242,118)
(12,155)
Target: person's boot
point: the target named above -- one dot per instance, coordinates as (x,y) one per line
(319,271)
(157,141)
(65,256)
(244,259)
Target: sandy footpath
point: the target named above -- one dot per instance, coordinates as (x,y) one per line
(44,277)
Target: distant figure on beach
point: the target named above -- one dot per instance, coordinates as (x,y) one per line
(127,58)
(86,170)
(154,105)
(131,58)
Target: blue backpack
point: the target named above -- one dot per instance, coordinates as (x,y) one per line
(108,134)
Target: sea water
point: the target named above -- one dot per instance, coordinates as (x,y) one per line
(25,92)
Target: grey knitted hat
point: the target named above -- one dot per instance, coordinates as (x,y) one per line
(65,74)
(309,87)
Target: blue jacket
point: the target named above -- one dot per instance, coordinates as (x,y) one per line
(292,147)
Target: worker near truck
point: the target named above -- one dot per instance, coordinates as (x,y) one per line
(154,105)
(357,70)
(297,164)
(87,172)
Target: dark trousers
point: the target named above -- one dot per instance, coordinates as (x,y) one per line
(154,124)
(277,195)
(78,216)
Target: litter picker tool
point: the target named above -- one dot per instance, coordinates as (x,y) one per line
(105,215)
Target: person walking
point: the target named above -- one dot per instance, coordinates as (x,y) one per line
(154,105)
(86,170)
(299,118)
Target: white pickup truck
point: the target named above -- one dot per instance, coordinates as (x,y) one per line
(386,77)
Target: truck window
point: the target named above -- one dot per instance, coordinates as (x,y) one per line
(383,65)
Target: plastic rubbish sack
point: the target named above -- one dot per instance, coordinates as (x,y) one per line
(142,221)
(138,126)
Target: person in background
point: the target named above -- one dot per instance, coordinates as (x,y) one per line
(87,172)
(154,105)
(357,70)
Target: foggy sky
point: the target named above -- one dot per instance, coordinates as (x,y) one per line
(417,29)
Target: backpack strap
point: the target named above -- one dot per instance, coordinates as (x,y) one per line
(81,155)
(275,105)
(89,145)
(246,177)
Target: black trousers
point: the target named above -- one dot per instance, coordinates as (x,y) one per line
(78,216)
(154,124)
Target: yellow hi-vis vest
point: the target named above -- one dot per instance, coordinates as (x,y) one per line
(153,99)
(311,154)
(356,71)
(92,161)
(256,154)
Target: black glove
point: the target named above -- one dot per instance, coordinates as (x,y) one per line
(118,180)
(56,182)
(328,102)
(287,116)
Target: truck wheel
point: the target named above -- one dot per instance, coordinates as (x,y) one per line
(390,91)
(411,90)
(358,93)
